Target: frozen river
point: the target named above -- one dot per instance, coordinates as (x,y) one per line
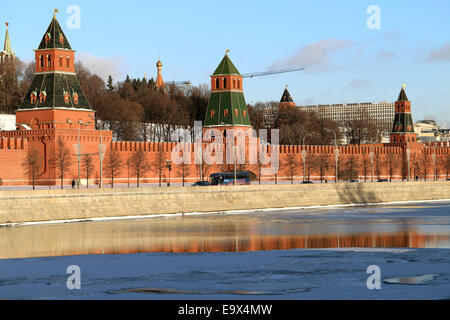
(308,254)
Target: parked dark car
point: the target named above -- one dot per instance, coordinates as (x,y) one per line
(201,184)
(307,182)
(354,181)
(383,180)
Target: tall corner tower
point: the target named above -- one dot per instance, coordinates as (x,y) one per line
(7,55)
(55,96)
(403,126)
(286,100)
(227,108)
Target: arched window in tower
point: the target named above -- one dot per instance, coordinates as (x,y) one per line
(66,96)
(33,97)
(68,62)
(42,61)
(75,97)
(42,96)
(224,83)
(49,60)
(217,83)
(48,37)
(234,83)
(239,84)
(61,60)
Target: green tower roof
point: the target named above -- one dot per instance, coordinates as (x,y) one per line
(60,90)
(226,67)
(7,49)
(54,37)
(402,96)
(286,96)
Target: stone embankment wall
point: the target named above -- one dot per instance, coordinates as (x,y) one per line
(48,205)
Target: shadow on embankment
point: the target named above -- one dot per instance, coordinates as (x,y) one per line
(357,193)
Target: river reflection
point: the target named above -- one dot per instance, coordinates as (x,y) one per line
(382,227)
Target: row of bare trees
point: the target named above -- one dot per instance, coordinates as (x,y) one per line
(63,161)
(354,167)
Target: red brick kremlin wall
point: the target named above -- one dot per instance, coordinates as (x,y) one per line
(14,146)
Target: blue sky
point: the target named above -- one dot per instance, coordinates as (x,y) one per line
(345,60)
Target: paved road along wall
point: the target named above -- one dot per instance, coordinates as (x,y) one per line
(46,205)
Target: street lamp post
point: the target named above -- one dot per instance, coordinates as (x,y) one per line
(101,153)
(169,166)
(304,153)
(372,154)
(408,156)
(336,153)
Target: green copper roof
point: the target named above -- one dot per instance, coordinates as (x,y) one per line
(402,96)
(226,67)
(227,108)
(7,49)
(54,37)
(286,96)
(60,91)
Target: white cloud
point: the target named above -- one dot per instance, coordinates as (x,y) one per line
(356,84)
(104,66)
(386,55)
(314,56)
(441,54)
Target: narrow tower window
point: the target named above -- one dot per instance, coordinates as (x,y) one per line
(60,61)
(234,83)
(224,83)
(217,83)
(42,61)
(68,62)
(239,83)
(49,60)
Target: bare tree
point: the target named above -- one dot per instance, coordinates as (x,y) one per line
(425,159)
(351,170)
(139,165)
(62,161)
(391,162)
(366,166)
(160,163)
(377,165)
(323,165)
(292,164)
(88,167)
(447,166)
(184,169)
(32,165)
(113,165)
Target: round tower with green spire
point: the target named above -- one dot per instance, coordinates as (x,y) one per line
(227,108)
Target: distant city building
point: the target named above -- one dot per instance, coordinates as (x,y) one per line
(429,131)
(382,113)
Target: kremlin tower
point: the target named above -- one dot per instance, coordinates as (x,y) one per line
(56,108)
(227,108)
(159,80)
(286,99)
(7,55)
(403,127)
